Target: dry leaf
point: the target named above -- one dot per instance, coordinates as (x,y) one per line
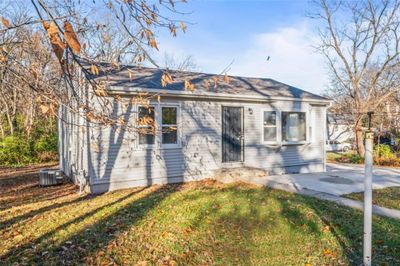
(44,108)
(226,78)
(71,38)
(329,253)
(34,73)
(172,29)
(183,27)
(95,70)
(154,17)
(153,43)
(99,91)
(5,22)
(55,40)
(207,84)
(215,78)
(90,116)
(106,38)
(148,21)
(165,79)
(189,85)
(115,64)
(325,229)
(130,73)
(52,28)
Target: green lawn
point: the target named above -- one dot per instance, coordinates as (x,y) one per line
(386,197)
(204,223)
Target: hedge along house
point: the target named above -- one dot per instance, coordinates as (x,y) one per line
(246,122)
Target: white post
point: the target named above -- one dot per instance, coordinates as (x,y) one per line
(369,142)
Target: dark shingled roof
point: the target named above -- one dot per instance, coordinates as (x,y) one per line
(150,78)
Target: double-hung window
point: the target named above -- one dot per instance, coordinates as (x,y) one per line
(169,125)
(294,127)
(146,125)
(269,126)
(158,124)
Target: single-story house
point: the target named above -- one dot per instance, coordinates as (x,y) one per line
(223,122)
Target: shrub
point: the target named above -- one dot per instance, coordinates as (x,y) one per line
(46,143)
(383,151)
(350,158)
(395,162)
(15,150)
(19,150)
(45,148)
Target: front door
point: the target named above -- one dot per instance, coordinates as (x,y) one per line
(232,134)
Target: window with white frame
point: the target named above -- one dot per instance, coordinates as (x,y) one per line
(293,126)
(146,125)
(169,125)
(270,128)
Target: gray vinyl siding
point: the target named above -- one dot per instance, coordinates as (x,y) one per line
(72,143)
(115,159)
(279,158)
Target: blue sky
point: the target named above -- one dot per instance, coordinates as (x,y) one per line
(248,32)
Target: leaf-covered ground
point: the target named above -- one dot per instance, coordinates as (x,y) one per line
(204,223)
(386,197)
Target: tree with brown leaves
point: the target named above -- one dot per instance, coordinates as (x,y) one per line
(361,43)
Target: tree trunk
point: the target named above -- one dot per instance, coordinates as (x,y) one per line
(10,123)
(360,141)
(1,129)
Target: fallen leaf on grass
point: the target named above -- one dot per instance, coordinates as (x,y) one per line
(329,253)
(325,229)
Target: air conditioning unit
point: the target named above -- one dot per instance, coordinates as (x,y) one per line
(50,177)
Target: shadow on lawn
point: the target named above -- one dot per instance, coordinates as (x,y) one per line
(346,225)
(18,192)
(31,214)
(308,214)
(235,232)
(85,242)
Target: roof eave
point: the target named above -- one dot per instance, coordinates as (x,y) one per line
(119,90)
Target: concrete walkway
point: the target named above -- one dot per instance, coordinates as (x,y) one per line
(330,185)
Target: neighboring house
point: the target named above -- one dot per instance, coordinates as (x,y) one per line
(340,133)
(248,122)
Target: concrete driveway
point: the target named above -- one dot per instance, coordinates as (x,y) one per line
(342,179)
(338,180)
